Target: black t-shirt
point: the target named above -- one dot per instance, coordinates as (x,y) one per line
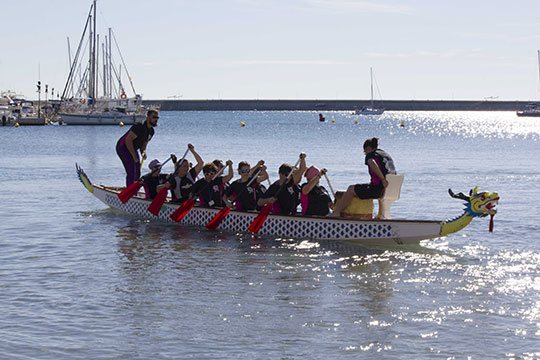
(143,134)
(151,183)
(181,186)
(316,201)
(210,194)
(287,199)
(247,197)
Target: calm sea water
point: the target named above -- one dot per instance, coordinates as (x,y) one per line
(78,280)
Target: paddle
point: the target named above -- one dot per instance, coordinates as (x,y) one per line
(214,223)
(157,203)
(330,186)
(142,160)
(133,189)
(189,203)
(263,214)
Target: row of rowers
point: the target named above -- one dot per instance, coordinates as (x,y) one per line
(215,188)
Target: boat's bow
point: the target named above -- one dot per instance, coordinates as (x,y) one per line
(478,204)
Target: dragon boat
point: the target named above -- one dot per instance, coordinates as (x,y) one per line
(378,232)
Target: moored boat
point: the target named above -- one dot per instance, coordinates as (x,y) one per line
(82,104)
(365,232)
(369,110)
(531,110)
(101,118)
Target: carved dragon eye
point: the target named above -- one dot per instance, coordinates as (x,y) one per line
(482,197)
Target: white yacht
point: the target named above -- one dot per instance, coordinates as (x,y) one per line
(81,102)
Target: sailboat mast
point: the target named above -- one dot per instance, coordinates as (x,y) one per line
(371,75)
(538,64)
(104,55)
(93,72)
(70,63)
(110,64)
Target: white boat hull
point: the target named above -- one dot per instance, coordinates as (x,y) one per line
(101,118)
(528,113)
(369,111)
(366,232)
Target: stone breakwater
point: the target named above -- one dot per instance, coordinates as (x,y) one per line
(335,105)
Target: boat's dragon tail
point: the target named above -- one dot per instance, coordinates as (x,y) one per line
(477,204)
(85,180)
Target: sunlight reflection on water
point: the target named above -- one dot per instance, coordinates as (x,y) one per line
(82,280)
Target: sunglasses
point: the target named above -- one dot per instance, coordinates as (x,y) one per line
(155,117)
(245,171)
(209,173)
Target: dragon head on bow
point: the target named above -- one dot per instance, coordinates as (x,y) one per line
(478,204)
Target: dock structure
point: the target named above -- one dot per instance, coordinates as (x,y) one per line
(334,105)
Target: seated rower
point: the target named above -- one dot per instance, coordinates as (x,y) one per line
(285,197)
(314,197)
(153,179)
(183,178)
(379,165)
(246,196)
(210,192)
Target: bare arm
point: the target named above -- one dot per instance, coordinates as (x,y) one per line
(256,167)
(297,175)
(270,200)
(229,176)
(200,162)
(165,185)
(314,181)
(263,175)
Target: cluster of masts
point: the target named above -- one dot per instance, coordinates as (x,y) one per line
(91,78)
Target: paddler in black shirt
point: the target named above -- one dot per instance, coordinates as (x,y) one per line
(246,196)
(183,178)
(153,179)
(210,190)
(285,197)
(136,138)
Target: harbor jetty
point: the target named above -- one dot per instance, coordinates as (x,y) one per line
(334,105)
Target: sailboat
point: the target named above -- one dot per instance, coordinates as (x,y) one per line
(531,109)
(81,103)
(369,110)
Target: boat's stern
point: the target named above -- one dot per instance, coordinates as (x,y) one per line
(84,179)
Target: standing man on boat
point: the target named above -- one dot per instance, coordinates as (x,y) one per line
(135,139)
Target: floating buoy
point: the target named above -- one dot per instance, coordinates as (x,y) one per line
(242,124)
(402,124)
(16,125)
(333,121)
(356,121)
(121,124)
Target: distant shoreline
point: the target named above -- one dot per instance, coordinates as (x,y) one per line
(335,105)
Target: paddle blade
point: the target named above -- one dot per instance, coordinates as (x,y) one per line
(260,219)
(157,203)
(214,223)
(182,210)
(129,192)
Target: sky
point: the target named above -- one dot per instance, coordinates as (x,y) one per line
(287,49)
